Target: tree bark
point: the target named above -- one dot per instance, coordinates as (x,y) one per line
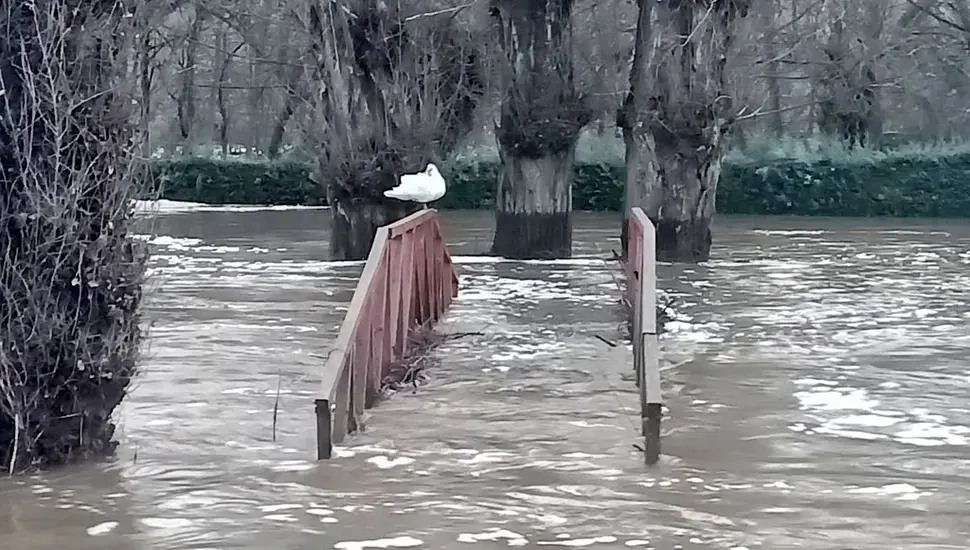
(675,118)
(540,124)
(356,222)
(545,231)
(146,77)
(72,271)
(294,93)
(188,67)
(776,121)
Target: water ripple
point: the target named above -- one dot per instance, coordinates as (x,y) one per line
(814,369)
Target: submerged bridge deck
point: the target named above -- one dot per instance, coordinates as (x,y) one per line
(566,320)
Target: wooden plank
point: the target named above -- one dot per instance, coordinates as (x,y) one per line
(379,336)
(335,364)
(424,296)
(395,273)
(408,278)
(341,410)
(407,287)
(434,279)
(411,223)
(643,256)
(358,382)
(648,310)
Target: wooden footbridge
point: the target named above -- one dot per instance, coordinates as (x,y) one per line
(407,285)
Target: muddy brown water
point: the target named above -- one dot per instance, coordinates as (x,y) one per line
(817,375)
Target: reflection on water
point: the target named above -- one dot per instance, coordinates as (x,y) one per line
(816,378)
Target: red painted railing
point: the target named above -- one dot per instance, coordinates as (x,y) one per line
(407,282)
(641,286)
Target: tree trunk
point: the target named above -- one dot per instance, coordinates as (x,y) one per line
(776,120)
(533,218)
(675,187)
(294,94)
(72,271)
(355,223)
(390,98)
(540,124)
(675,118)
(146,78)
(188,67)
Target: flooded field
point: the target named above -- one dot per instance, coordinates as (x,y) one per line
(816,375)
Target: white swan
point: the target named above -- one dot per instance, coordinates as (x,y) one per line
(422,188)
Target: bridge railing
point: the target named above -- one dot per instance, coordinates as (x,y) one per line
(408,282)
(641,277)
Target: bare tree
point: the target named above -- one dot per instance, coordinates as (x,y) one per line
(71,278)
(541,119)
(676,116)
(396,91)
(188,67)
(846,84)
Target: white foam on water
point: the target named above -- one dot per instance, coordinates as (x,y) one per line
(488,457)
(396,542)
(167,523)
(385,463)
(270,508)
(494,535)
(929,434)
(868,420)
(171,243)
(837,399)
(187,501)
(293,466)
(899,491)
(102,528)
(789,232)
(165,206)
(850,434)
(578,543)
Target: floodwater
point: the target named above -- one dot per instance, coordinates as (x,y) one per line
(816,372)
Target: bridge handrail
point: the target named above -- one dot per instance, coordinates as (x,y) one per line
(641,277)
(408,281)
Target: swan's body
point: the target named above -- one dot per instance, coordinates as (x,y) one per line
(422,188)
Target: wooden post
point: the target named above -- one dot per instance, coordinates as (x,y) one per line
(651,399)
(324,429)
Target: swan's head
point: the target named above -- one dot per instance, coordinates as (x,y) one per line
(431,170)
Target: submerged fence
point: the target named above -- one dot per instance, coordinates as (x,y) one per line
(641,277)
(407,282)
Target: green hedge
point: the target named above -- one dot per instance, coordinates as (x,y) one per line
(917,186)
(235,182)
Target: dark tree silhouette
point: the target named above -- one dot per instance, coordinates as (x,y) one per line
(395,93)
(71,275)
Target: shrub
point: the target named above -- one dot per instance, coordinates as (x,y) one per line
(219,181)
(70,285)
(802,177)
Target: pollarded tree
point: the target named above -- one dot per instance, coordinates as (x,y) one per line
(675,119)
(541,120)
(395,91)
(71,272)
